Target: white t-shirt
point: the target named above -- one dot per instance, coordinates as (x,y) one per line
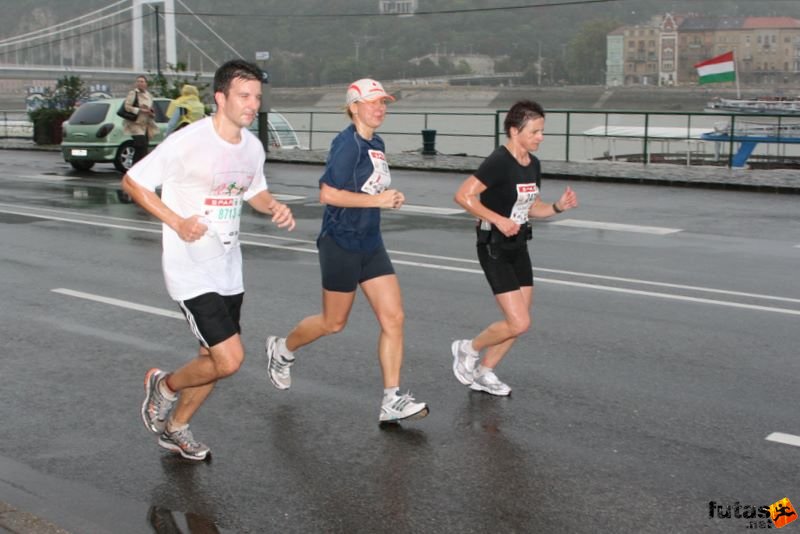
(201,174)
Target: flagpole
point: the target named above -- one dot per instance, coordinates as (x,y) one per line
(736,77)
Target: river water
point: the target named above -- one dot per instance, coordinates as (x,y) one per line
(470,131)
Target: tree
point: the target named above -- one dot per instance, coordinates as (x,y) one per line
(171,87)
(57,105)
(586,52)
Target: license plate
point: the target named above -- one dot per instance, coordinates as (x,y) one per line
(79,152)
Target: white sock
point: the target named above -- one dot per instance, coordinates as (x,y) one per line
(469,349)
(165,390)
(172,427)
(285,353)
(482,370)
(389,393)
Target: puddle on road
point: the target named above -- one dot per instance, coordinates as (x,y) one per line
(92,195)
(165,521)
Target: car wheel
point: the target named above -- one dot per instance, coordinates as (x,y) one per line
(82,165)
(124,158)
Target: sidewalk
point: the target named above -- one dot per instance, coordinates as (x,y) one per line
(703,176)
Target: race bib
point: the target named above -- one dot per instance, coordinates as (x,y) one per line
(380,179)
(222,215)
(526,195)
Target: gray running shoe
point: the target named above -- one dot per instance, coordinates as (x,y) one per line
(464,363)
(277,365)
(489,383)
(156,406)
(402,408)
(183,442)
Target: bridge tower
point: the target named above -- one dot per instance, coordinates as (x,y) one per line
(169,33)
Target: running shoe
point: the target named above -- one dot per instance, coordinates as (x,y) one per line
(277,365)
(402,408)
(156,406)
(464,362)
(182,441)
(489,383)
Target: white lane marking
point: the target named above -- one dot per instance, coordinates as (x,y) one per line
(666,284)
(478,271)
(786,439)
(618,227)
(117,302)
(431,209)
(286,198)
(741,305)
(41,177)
(89,223)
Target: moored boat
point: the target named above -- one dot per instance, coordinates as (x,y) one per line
(773,105)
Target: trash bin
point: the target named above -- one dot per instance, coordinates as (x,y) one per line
(428,142)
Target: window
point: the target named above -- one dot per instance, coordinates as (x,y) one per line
(89,113)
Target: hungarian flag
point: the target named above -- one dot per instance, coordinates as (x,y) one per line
(717,69)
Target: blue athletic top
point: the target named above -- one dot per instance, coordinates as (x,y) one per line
(348,167)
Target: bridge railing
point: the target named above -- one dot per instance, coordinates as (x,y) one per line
(14,124)
(570,135)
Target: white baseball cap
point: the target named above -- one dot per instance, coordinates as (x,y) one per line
(366,90)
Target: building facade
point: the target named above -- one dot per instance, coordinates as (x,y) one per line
(615,58)
(665,50)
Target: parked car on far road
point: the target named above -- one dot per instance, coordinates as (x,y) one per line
(94,134)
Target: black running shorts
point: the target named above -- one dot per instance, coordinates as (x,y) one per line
(508,271)
(212,317)
(342,270)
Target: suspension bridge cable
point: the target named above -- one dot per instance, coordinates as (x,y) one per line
(218,36)
(69,30)
(42,30)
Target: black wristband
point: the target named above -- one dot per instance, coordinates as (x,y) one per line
(555,208)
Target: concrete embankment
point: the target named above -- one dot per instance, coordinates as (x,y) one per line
(682,99)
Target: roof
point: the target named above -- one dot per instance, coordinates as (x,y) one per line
(711,23)
(775,23)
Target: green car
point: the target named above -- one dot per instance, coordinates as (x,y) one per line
(94,134)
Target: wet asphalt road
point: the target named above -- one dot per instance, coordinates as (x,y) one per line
(657,365)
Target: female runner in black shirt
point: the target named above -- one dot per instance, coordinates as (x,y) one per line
(503,194)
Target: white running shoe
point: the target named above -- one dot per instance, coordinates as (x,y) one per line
(492,385)
(277,365)
(402,408)
(182,441)
(156,407)
(464,362)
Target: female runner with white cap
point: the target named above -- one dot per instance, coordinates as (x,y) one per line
(354,188)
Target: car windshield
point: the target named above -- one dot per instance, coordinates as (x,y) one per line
(89,113)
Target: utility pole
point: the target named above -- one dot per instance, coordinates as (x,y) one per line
(158,46)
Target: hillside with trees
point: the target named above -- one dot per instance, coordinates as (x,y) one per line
(314,42)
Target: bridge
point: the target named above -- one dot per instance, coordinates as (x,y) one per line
(113,44)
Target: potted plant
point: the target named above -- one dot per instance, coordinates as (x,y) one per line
(56,106)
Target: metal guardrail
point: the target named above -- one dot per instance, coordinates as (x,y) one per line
(14,124)
(568,125)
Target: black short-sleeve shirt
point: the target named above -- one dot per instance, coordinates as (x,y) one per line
(506,180)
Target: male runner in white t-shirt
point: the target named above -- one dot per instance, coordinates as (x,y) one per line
(205,171)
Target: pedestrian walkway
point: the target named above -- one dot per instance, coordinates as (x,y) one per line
(702,176)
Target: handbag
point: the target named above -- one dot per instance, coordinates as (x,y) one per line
(127,115)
